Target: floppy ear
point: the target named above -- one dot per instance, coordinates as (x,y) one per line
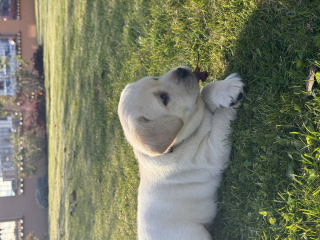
(157,135)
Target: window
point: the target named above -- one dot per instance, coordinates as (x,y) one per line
(11,230)
(9,49)
(7,188)
(9,9)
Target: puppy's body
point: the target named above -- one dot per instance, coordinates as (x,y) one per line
(181,145)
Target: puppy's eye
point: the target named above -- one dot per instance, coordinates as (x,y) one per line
(164,99)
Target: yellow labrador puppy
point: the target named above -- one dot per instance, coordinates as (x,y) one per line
(179,136)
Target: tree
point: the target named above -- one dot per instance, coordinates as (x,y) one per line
(29,150)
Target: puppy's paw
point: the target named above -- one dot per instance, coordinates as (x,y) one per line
(229,92)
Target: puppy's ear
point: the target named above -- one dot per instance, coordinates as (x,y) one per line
(157,135)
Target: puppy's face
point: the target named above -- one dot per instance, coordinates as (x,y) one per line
(156,112)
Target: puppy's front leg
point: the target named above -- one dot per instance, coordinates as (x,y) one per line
(222,98)
(223,94)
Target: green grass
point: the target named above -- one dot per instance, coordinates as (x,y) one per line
(92,49)
(87,152)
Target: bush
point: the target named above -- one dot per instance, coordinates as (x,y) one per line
(32,237)
(40,113)
(38,61)
(42,191)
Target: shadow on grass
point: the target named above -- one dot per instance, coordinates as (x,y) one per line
(273,55)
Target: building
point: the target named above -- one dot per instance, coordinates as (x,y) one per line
(8,66)
(8,170)
(18,36)
(19,212)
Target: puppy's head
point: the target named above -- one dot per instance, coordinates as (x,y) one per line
(156,112)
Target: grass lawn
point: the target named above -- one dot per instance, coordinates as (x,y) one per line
(92,49)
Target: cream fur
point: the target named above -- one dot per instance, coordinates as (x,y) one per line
(182,149)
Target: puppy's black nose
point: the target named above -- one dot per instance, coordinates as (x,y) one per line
(182,73)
